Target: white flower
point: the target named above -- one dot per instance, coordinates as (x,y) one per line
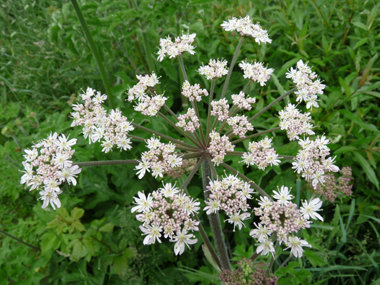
(296,246)
(31,154)
(181,240)
(63,142)
(152,232)
(309,209)
(238,219)
(142,167)
(69,174)
(191,206)
(50,197)
(265,203)
(212,207)
(261,233)
(28,173)
(169,190)
(283,195)
(143,204)
(265,247)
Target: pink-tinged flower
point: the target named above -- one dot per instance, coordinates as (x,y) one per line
(191,206)
(152,232)
(31,154)
(189,122)
(212,207)
(193,92)
(237,219)
(256,72)
(182,239)
(283,195)
(241,102)
(261,233)
(265,247)
(309,209)
(69,174)
(143,203)
(28,173)
(50,197)
(214,69)
(245,27)
(176,48)
(296,244)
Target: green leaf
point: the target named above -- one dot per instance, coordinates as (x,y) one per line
(107,228)
(314,259)
(358,121)
(345,149)
(347,89)
(360,43)
(360,25)
(77,213)
(367,169)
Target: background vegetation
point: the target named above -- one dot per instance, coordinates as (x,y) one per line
(94,239)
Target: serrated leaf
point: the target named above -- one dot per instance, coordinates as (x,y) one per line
(77,213)
(79,250)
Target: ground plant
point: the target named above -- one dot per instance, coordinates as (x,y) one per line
(177,142)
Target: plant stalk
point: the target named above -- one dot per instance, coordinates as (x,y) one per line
(215,221)
(95,53)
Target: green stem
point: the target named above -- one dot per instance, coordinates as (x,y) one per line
(271,104)
(190,176)
(95,53)
(182,68)
(193,140)
(106,162)
(195,106)
(272,258)
(246,86)
(193,155)
(20,241)
(209,111)
(245,178)
(149,58)
(162,136)
(231,67)
(255,135)
(215,221)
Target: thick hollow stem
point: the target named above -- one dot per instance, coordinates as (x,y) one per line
(245,178)
(95,53)
(271,104)
(255,135)
(106,162)
(163,136)
(231,67)
(215,221)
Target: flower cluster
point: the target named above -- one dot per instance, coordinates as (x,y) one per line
(167,212)
(97,125)
(46,170)
(161,159)
(248,273)
(150,106)
(241,102)
(282,218)
(230,195)
(245,27)
(333,186)
(218,147)
(294,122)
(308,89)
(193,92)
(214,69)
(256,72)
(177,48)
(138,91)
(192,121)
(311,160)
(261,154)
(220,108)
(240,125)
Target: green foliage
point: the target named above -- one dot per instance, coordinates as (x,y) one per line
(94,239)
